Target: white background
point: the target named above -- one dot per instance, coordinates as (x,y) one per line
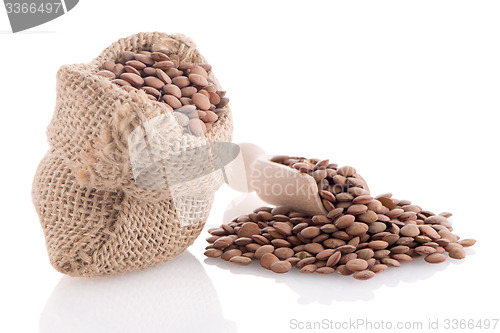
(405,91)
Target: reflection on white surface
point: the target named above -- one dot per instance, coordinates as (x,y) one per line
(326,289)
(177,297)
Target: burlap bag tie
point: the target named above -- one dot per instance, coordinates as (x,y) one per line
(101,206)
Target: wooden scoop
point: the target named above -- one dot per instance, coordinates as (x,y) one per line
(278,184)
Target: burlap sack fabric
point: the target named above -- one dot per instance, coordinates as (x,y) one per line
(96,219)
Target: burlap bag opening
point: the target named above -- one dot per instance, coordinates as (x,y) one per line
(96,219)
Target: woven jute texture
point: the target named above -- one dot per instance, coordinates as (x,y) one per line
(96,219)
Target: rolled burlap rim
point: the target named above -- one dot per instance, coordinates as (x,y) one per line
(95,118)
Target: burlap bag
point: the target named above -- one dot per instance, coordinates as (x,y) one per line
(96,219)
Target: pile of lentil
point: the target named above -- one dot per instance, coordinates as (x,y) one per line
(360,235)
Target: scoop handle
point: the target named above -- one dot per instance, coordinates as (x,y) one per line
(242,175)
